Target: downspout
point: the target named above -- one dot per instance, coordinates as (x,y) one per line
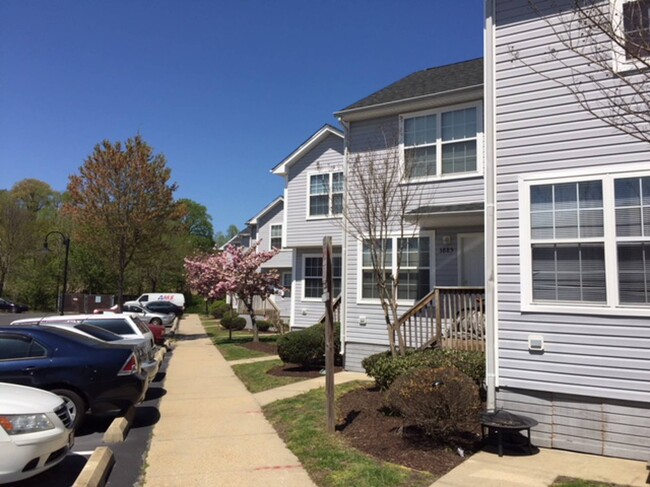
(491,316)
(344,243)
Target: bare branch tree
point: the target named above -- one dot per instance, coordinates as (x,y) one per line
(613,40)
(377,206)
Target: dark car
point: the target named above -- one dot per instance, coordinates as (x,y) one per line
(11,307)
(88,374)
(164,307)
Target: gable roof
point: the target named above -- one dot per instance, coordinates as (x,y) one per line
(320,135)
(428,82)
(267,208)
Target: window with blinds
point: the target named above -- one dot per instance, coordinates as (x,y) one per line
(589,241)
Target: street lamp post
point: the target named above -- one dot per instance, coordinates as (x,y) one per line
(66,243)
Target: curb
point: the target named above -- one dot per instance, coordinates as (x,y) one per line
(119,428)
(97,468)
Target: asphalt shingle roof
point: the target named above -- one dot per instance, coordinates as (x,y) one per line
(427,82)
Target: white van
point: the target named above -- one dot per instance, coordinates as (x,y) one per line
(176,298)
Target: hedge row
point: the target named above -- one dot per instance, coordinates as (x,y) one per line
(385,369)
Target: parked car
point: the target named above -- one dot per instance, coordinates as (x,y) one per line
(162,307)
(159,332)
(86,373)
(148,316)
(150,366)
(11,307)
(132,330)
(35,431)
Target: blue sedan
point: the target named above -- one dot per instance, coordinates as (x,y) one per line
(88,374)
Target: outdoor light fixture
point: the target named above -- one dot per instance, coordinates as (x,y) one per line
(66,242)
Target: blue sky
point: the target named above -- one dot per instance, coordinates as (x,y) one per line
(224,89)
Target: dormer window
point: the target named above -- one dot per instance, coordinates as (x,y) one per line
(326,194)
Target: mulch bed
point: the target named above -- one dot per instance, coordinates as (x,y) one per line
(365,424)
(265,347)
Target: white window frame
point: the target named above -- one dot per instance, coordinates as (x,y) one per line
(319,299)
(619,62)
(432,265)
(330,198)
(271,237)
(439,143)
(607,175)
(290,286)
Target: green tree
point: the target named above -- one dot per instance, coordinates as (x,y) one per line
(120,200)
(221,238)
(197,224)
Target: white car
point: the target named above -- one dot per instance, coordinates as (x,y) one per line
(35,431)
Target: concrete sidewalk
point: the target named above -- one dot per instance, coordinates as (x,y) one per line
(211,430)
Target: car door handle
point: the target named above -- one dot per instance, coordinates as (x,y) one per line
(29,369)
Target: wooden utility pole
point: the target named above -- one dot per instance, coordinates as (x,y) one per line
(329,333)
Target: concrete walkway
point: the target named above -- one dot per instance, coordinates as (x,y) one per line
(211,430)
(540,470)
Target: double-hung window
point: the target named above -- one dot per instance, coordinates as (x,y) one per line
(313,280)
(415,267)
(441,143)
(326,194)
(276,236)
(586,243)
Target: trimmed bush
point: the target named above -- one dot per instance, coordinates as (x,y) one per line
(263,325)
(219,308)
(441,401)
(385,369)
(307,347)
(232,321)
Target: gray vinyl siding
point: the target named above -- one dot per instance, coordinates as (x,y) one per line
(369,137)
(327,156)
(356,352)
(308,311)
(541,128)
(275,216)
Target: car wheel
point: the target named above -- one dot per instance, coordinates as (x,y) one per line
(74,403)
(156,321)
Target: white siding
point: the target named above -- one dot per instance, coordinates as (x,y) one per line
(275,216)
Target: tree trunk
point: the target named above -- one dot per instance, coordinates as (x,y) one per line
(251,313)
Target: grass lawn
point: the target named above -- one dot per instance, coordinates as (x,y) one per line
(256,379)
(327,458)
(232,350)
(569,482)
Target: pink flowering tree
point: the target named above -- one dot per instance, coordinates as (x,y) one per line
(235,271)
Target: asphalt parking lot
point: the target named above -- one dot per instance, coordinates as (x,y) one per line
(129,455)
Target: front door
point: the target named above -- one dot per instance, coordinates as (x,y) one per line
(471,263)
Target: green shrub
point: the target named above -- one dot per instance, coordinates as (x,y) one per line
(307,347)
(232,321)
(385,369)
(219,308)
(263,325)
(441,401)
